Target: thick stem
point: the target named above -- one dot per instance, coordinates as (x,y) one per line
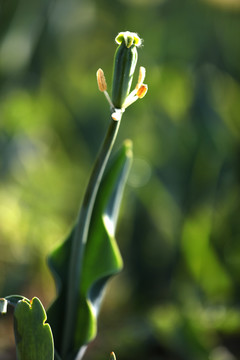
(81,234)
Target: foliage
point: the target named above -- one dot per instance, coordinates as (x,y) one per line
(183,300)
(79,268)
(33,337)
(101,244)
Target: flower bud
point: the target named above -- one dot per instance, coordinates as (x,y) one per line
(124,66)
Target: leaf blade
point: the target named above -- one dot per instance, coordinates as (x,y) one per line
(96,272)
(33,336)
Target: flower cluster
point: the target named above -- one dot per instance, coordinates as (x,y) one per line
(125,61)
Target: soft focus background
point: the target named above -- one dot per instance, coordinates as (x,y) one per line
(178,297)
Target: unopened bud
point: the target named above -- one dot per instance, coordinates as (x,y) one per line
(124,66)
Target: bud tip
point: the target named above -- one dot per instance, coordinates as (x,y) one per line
(130,38)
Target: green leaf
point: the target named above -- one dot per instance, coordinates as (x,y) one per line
(101,259)
(14,299)
(33,336)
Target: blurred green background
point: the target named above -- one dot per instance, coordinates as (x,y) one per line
(178,297)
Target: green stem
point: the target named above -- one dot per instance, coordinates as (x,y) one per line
(81,234)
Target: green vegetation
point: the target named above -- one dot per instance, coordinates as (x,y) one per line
(89,256)
(178,295)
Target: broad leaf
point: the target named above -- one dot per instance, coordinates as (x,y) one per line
(33,336)
(101,259)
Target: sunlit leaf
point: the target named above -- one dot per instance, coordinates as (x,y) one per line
(101,259)
(33,336)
